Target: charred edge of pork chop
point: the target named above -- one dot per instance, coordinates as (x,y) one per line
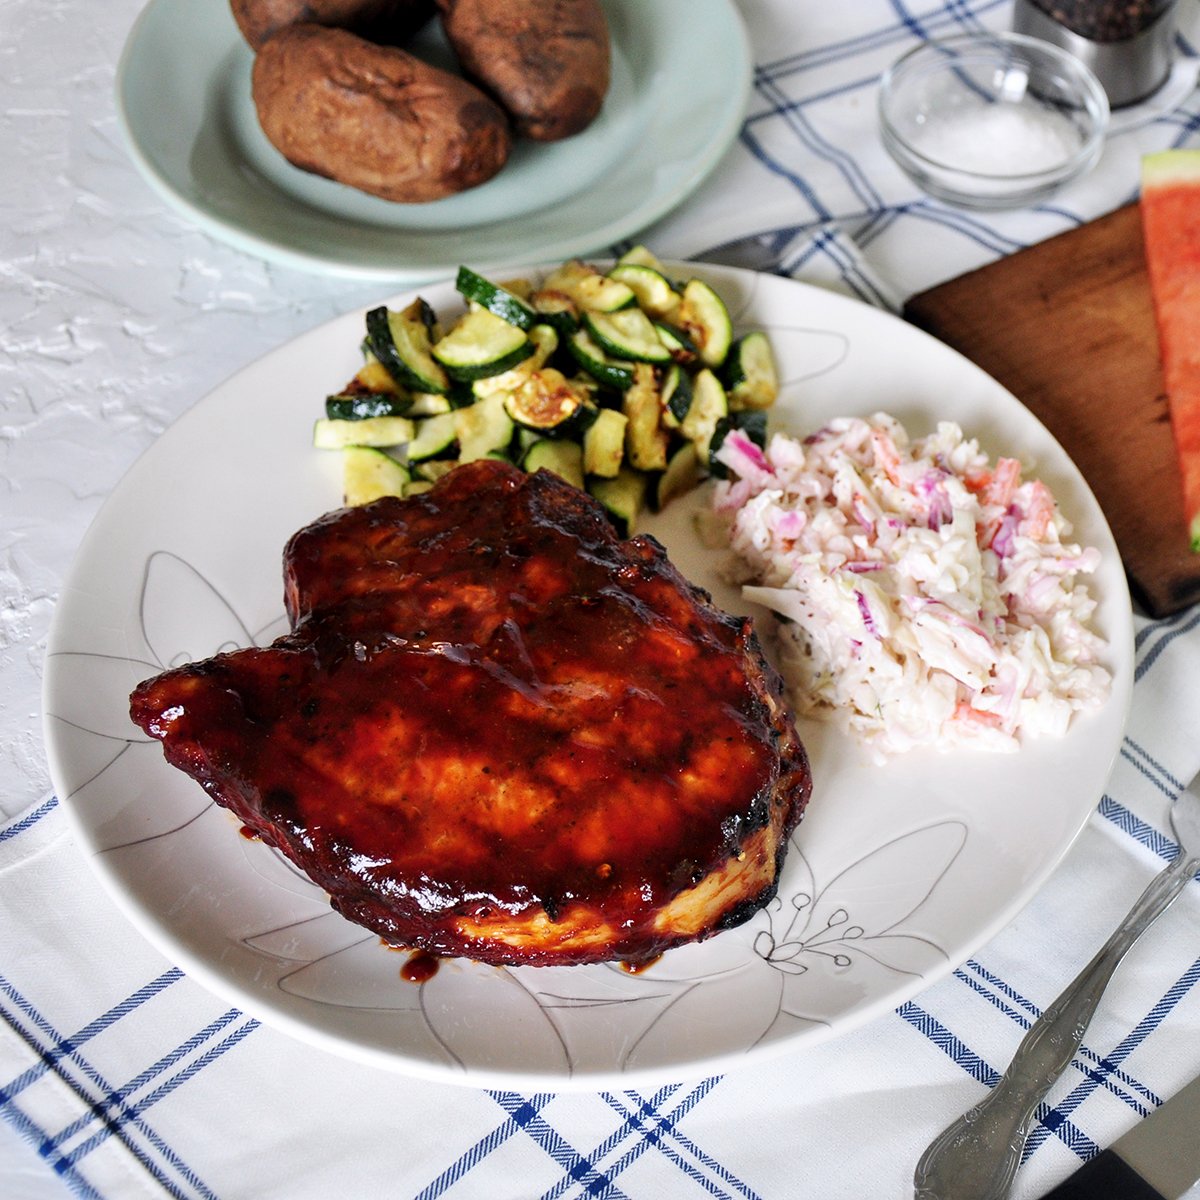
(348,576)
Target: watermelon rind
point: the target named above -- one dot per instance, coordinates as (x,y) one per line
(1166,167)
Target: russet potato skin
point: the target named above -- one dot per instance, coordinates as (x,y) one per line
(389,21)
(375,117)
(547,62)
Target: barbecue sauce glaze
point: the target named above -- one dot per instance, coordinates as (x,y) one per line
(498,731)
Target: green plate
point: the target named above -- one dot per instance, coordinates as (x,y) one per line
(680,85)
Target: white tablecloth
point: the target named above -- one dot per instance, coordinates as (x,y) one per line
(124,1078)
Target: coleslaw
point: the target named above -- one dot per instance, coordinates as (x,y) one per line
(928,597)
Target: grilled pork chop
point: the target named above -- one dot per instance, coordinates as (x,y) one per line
(498,731)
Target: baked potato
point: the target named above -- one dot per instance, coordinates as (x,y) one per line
(374,117)
(388,21)
(547,62)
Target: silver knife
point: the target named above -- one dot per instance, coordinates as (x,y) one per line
(1158,1159)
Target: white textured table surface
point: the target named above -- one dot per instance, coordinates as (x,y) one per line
(116,315)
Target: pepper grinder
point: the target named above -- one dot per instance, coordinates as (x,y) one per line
(1129,44)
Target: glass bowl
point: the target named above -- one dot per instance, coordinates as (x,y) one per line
(991,120)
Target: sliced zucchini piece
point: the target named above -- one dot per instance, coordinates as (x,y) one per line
(682,474)
(682,349)
(676,396)
(589,288)
(482,344)
(751,377)
(496,299)
(705,319)
(359,406)
(604,443)
(597,293)
(655,295)
(548,401)
(484,429)
(333,434)
(401,343)
(521,288)
(545,339)
(373,376)
(556,308)
(433,438)
(628,334)
(432,469)
(709,405)
(545,342)
(611,372)
(641,257)
(567,275)
(429,404)
(645,439)
(623,498)
(565,459)
(368,474)
(416,487)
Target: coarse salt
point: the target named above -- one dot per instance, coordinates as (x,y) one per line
(999,139)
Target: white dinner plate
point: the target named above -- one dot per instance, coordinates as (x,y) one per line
(680,84)
(895,876)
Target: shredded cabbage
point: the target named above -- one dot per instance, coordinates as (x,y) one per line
(928,597)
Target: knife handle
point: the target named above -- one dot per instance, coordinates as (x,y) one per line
(1103,1177)
(978,1154)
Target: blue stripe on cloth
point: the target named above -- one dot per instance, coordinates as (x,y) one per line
(1154,639)
(966,1058)
(949,1043)
(60,1055)
(828,242)
(1138,755)
(29,820)
(467,1161)
(649,1123)
(833,52)
(795,118)
(959,18)
(1153,628)
(67,1045)
(1055,1120)
(659,1129)
(33,1134)
(987,985)
(1166,848)
(969,226)
(796,180)
(133,1112)
(1097,1071)
(112,1108)
(524,1116)
(1145,770)
(1188,124)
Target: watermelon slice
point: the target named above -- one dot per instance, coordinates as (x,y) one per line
(1171,224)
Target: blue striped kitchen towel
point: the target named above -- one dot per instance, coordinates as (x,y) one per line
(131,1080)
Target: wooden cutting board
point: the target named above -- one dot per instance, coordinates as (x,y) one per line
(1068,327)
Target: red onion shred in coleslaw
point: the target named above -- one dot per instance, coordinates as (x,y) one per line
(928,597)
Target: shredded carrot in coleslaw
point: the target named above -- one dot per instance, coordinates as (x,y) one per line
(927,597)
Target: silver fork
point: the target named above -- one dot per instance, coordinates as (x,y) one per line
(977,1155)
